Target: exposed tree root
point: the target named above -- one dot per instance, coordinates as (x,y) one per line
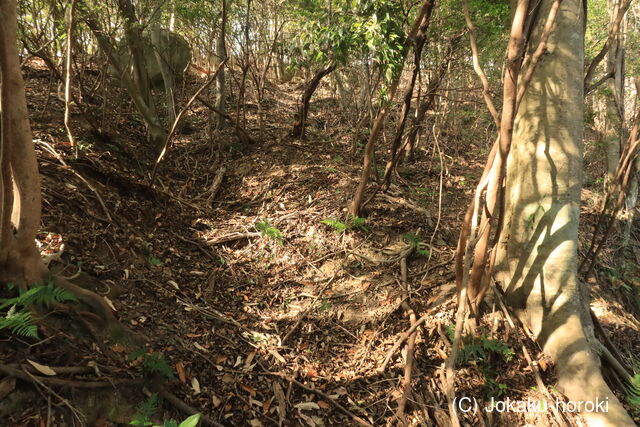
(59,382)
(188,410)
(408,368)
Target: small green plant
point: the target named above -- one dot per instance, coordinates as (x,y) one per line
(337,225)
(491,386)
(633,387)
(145,411)
(154,261)
(17,317)
(324,306)
(359,223)
(352,222)
(153,363)
(480,350)
(150,406)
(270,232)
(416,242)
(633,392)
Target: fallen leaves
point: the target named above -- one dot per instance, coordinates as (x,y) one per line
(44,370)
(182,375)
(249,389)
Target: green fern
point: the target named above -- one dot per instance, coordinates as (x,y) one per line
(270,232)
(19,323)
(337,225)
(145,411)
(154,363)
(352,222)
(43,295)
(18,317)
(359,223)
(633,392)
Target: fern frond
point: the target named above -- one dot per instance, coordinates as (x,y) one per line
(145,411)
(633,392)
(19,323)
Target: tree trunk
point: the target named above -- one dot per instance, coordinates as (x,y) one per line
(631,198)
(135,42)
(68,73)
(358,197)
(342,91)
(419,42)
(20,205)
(157,134)
(536,261)
(167,74)
(303,112)
(221,53)
(430,96)
(614,112)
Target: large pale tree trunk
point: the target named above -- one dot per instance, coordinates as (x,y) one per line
(20,205)
(167,74)
(536,261)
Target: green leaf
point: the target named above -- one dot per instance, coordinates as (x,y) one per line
(154,261)
(192,421)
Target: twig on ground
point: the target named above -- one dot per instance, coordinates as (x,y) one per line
(232,237)
(58,382)
(325,396)
(189,410)
(215,186)
(408,368)
(401,341)
(57,155)
(307,311)
(34,380)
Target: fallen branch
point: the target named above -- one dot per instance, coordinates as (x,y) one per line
(232,237)
(307,311)
(411,343)
(53,151)
(189,410)
(58,382)
(325,396)
(215,186)
(401,341)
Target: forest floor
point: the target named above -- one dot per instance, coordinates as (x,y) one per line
(258,299)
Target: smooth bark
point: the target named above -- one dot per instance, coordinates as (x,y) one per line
(536,263)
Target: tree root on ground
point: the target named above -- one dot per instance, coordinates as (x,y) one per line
(10,370)
(186,409)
